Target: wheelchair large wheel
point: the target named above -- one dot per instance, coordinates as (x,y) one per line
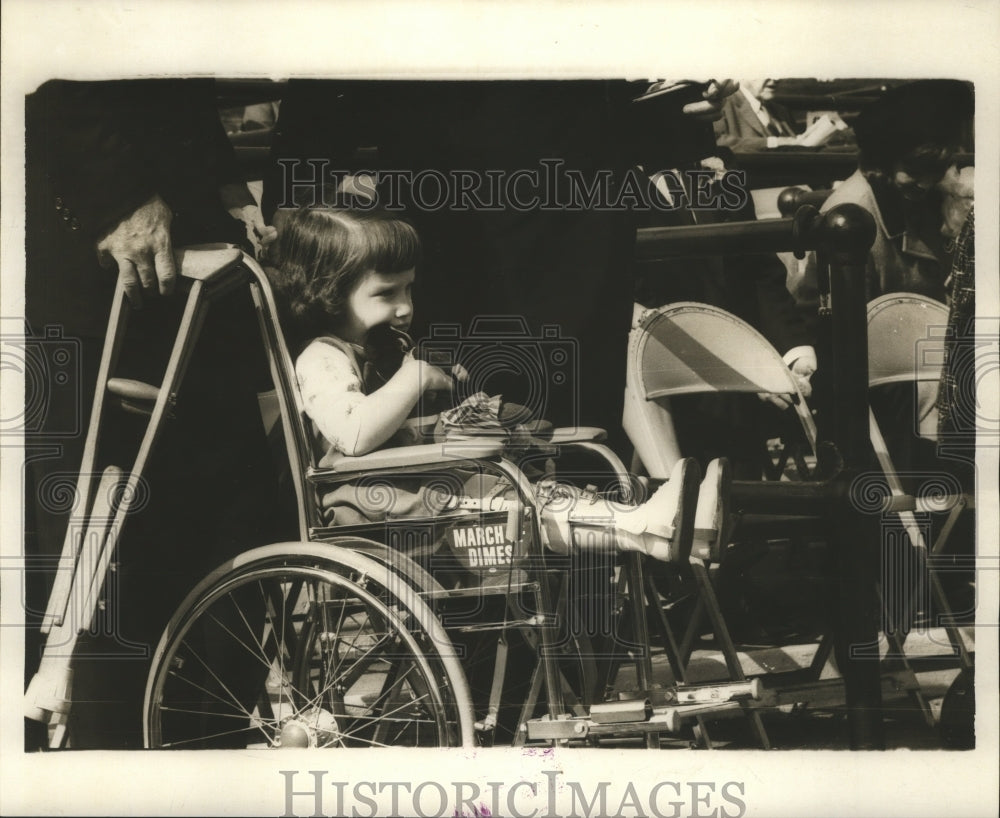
(575,663)
(305,645)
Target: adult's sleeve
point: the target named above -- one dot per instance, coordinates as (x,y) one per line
(780,319)
(743,143)
(730,133)
(93,164)
(219,155)
(778,316)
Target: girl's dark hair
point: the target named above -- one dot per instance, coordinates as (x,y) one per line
(919,125)
(321,254)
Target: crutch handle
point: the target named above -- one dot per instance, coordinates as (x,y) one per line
(133,390)
(135,396)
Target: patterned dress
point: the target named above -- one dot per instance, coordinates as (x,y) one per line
(956,395)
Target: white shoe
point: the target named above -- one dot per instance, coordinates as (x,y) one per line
(713,510)
(663,526)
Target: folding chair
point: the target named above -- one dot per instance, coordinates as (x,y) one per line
(687,348)
(906,337)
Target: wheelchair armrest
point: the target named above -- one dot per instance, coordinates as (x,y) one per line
(408,456)
(577,434)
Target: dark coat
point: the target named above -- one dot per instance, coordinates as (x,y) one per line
(94,152)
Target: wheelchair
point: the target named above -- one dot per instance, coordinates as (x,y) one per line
(451,628)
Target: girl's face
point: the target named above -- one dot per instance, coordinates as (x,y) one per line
(378,298)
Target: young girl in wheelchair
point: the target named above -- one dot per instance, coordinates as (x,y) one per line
(343,279)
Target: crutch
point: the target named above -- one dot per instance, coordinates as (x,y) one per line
(88,551)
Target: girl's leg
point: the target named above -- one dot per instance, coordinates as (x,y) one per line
(662,527)
(652,430)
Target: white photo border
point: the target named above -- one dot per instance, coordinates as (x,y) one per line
(877,38)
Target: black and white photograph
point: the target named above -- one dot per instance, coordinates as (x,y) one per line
(480,409)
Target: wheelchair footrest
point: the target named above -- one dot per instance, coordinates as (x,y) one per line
(830,692)
(640,716)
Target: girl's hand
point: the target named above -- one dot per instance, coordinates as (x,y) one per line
(432,378)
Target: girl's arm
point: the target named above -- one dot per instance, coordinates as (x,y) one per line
(355,423)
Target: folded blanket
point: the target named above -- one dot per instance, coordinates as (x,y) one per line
(481,415)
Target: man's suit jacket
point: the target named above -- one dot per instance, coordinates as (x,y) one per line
(739,126)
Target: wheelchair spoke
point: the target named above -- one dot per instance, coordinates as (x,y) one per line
(240,714)
(270,609)
(220,734)
(339,742)
(357,668)
(293,643)
(393,708)
(250,630)
(258,654)
(382,721)
(352,674)
(222,684)
(211,713)
(396,686)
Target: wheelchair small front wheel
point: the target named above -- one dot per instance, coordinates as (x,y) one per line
(305,645)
